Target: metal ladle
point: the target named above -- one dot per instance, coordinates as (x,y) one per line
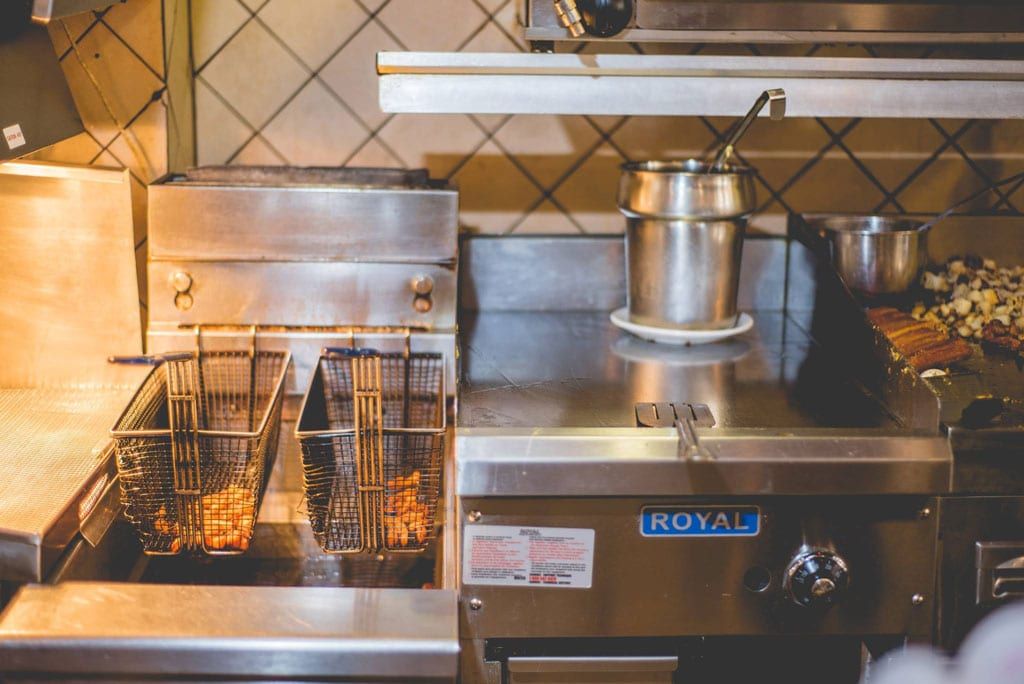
(777,98)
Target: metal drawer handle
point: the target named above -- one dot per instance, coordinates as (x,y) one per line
(1000,571)
(1010,585)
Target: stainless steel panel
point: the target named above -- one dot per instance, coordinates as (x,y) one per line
(628,670)
(305,346)
(646,85)
(55,462)
(839,22)
(544,273)
(202,221)
(574,369)
(697,66)
(34,97)
(136,630)
(756,36)
(301,293)
(674,587)
(868,17)
(67,270)
(800,281)
(646,461)
(519,273)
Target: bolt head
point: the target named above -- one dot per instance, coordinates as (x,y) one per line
(917,599)
(474,516)
(475,604)
(925,513)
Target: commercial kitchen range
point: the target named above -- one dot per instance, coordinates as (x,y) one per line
(797,494)
(457,467)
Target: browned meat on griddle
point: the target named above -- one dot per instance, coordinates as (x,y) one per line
(923,344)
(1006,337)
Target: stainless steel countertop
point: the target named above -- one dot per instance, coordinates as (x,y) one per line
(54,449)
(143,630)
(575,369)
(547,408)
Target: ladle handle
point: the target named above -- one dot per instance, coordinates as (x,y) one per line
(973,196)
(777,97)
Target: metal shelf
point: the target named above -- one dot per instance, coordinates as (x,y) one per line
(611,84)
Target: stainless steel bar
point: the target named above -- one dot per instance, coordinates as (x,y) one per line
(696,66)
(209,632)
(707,86)
(573,462)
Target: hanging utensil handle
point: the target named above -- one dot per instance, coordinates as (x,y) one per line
(949,212)
(777,98)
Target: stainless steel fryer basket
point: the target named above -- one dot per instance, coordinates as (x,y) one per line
(372,432)
(195,448)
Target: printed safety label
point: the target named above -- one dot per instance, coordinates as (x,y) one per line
(14,137)
(500,555)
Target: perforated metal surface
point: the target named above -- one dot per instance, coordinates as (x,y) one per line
(53,446)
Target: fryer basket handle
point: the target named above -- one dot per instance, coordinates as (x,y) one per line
(149,359)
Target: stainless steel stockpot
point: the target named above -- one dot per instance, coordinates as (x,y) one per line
(684,240)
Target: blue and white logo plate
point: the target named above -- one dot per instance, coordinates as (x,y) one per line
(700,521)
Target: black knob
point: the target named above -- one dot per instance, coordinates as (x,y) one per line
(605,18)
(817,578)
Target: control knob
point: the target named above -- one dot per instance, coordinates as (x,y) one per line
(605,18)
(817,578)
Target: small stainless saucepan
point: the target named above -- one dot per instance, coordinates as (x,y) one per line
(876,255)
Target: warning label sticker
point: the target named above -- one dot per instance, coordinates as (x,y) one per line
(501,555)
(14,136)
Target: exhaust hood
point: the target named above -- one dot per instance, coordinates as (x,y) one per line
(36,107)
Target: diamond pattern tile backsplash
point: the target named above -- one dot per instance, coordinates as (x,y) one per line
(285,82)
(294,82)
(114,63)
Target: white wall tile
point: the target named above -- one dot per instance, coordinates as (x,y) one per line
(316,29)
(213,22)
(314,129)
(433,24)
(436,142)
(255,74)
(219,131)
(352,73)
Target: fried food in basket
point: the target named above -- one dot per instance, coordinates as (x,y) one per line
(228,517)
(924,344)
(407,519)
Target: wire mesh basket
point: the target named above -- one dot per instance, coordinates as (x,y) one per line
(372,432)
(195,448)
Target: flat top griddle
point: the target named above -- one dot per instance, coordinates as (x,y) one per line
(988,373)
(576,370)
